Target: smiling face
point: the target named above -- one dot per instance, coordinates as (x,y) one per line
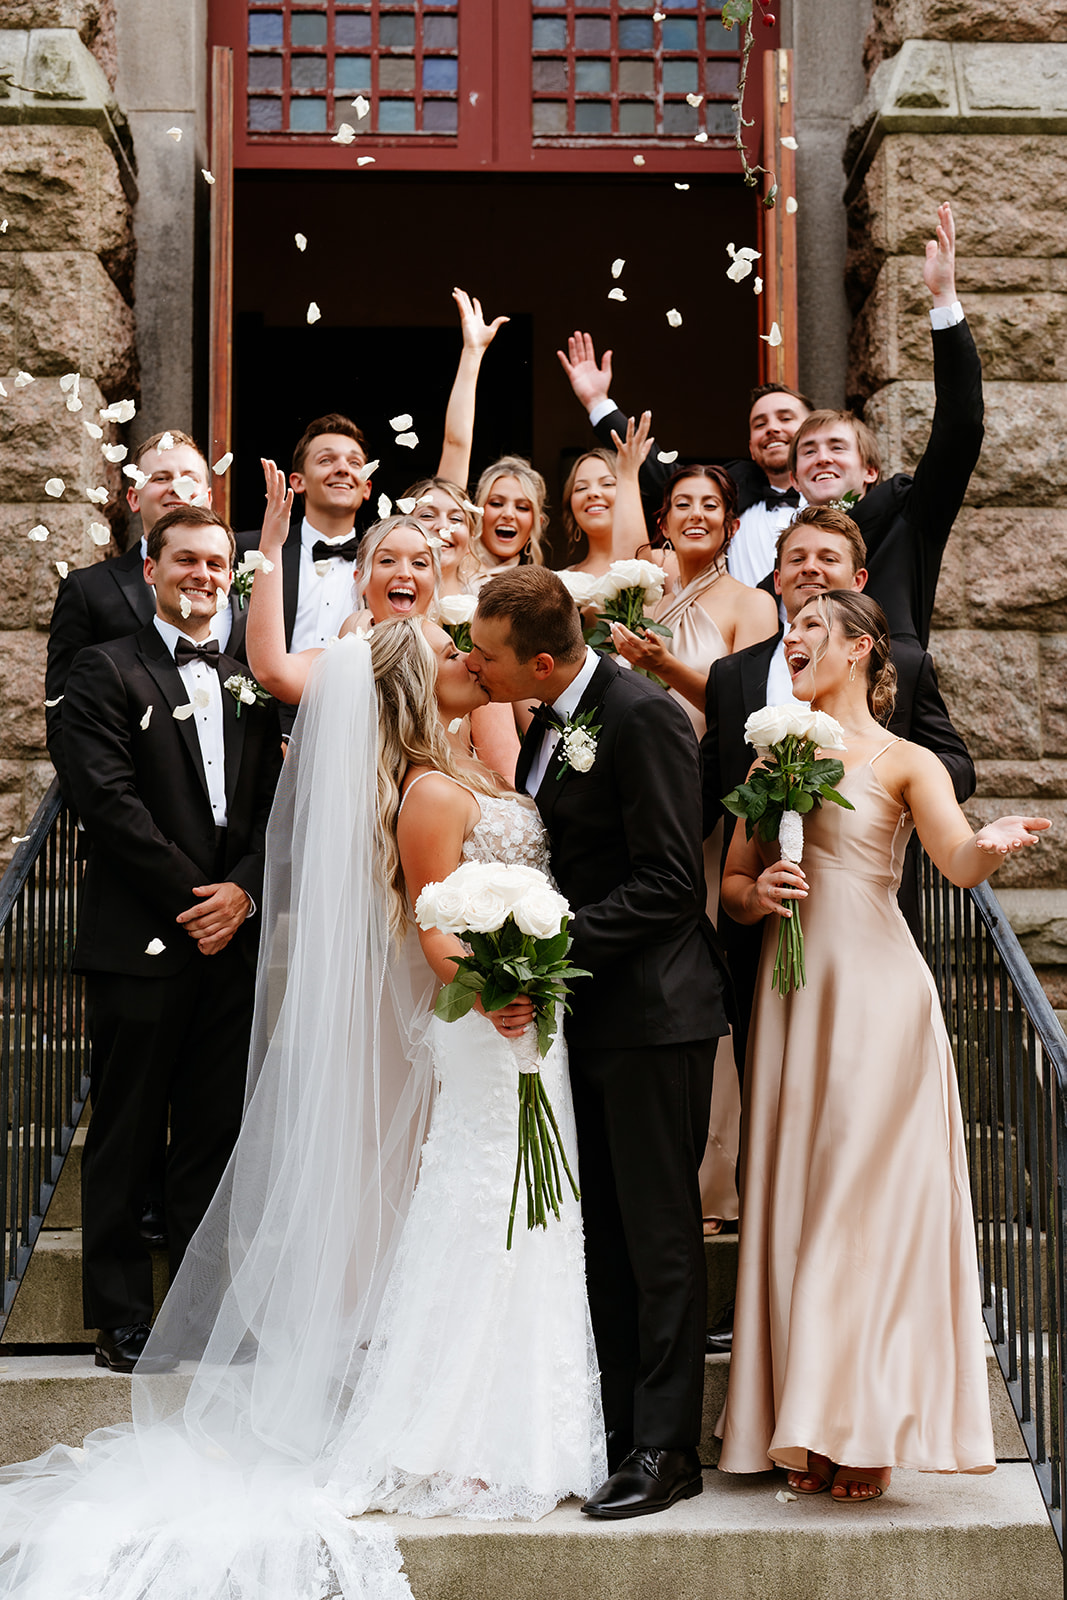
(443,519)
(401,578)
(330,481)
(813,560)
(458,691)
(507,520)
(158,494)
(593,497)
(772,423)
(194,563)
(818,657)
(695,522)
(829,464)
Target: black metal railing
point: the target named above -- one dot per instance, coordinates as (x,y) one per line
(43,1048)
(1011,1056)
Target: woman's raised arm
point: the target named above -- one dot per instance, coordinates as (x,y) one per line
(455,459)
(282,673)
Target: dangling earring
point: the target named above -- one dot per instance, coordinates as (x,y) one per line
(852,672)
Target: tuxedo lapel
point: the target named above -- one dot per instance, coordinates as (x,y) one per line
(559,771)
(531,743)
(128,573)
(160,664)
(291,578)
(233,727)
(755,670)
(238,624)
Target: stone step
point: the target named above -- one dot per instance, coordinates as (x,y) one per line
(46,1400)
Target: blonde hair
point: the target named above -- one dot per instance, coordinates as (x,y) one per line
(610,460)
(535,490)
(468,561)
(861,617)
(410,734)
(377,533)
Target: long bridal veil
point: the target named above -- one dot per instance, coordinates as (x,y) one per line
(216,1492)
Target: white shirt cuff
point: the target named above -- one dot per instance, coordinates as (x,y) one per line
(602,409)
(945,316)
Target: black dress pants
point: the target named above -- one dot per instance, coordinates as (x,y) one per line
(177,1044)
(642,1121)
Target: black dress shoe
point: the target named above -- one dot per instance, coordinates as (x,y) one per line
(153,1227)
(720,1339)
(120,1349)
(649,1480)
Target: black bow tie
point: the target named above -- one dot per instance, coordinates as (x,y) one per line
(548,718)
(321,551)
(787,497)
(185,651)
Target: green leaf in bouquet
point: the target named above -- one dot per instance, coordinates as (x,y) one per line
(767,826)
(599,635)
(454,1001)
(657,627)
(827,770)
(496,994)
(802,801)
(829,793)
(482,948)
(546,1029)
(548,951)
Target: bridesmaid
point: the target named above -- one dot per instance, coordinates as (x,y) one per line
(511,494)
(588,504)
(859,1343)
(443,511)
(710,615)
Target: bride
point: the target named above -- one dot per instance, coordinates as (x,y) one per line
(347,1332)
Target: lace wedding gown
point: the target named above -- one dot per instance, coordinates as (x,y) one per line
(350,1332)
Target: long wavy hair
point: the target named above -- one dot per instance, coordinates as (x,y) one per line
(468,562)
(380,531)
(410,734)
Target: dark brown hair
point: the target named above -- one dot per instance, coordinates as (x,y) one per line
(332,422)
(610,460)
(858,615)
(866,443)
(762,390)
(540,614)
(186,517)
(830,520)
(722,481)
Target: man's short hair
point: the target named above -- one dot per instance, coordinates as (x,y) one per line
(332,422)
(829,520)
(186,517)
(763,389)
(177,437)
(866,443)
(540,613)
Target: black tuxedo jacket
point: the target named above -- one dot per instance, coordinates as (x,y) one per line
(141,794)
(109,600)
(249,540)
(626,853)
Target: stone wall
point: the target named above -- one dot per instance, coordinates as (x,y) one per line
(964,105)
(66,260)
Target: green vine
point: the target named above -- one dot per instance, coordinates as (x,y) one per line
(739,13)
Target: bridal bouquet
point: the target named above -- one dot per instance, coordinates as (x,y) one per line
(791,781)
(515,925)
(455,612)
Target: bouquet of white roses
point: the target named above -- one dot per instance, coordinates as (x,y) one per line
(455,612)
(791,781)
(515,925)
(623,594)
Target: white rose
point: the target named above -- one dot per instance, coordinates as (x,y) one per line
(456,608)
(580,748)
(487,911)
(426,907)
(511,883)
(608,588)
(636,575)
(827,733)
(767,727)
(443,906)
(583,587)
(540,912)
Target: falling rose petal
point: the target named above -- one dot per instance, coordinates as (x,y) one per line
(694,100)
(475,511)
(301,241)
(184,486)
(154,947)
(361,107)
(313,312)
(321,568)
(364,161)
(256,561)
(408,440)
(455,725)
(682,186)
(119,411)
(99,496)
(202,501)
(344,135)
(73,403)
(38,534)
(54,487)
(788,142)
(185,605)
(398,424)
(145,720)
(92,430)
(3,226)
(790,205)
(367,469)
(667,456)
(616,294)
(3,391)
(701,137)
(22,379)
(183,713)
(208,177)
(114,452)
(639,161)
(784,1496)
(774,337)
(223,464)
(50,703)
(100,533)
(166,441)
(658,16)
(222,599)
(62,568)
(138,477)
(19,838)
(175,134)
(69,382)
(425,500)
(385,505)
(757,287)
(674,318)
(617,266)
(406,505)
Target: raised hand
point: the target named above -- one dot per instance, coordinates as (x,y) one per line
(939,268)
(1006,834)
(279,505)
(633,450)
(591,382)
(644,650)
(477,334)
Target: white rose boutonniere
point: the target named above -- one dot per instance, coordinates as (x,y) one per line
(246,691)
(578,738)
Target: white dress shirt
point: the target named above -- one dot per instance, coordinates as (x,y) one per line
(206,718)
(322,604)
(565,706)
(750,553)
(221,622)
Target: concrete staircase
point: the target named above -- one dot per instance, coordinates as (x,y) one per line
(932,1536)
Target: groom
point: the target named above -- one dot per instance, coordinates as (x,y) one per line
(625,829)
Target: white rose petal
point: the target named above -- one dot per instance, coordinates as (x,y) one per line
(166,441)
(69,382)
(154,947)
(114,452)
(364,161)
(788,142)
(674,318)
(256,561)
(50,703)
(385,505)
(408,440)
(3,226)
(19,838)
(790,205)
(616,294)
(22,379)
(682,186)
(98,496)
(38,534)
(784,1496)
(3,391)
(667,456)
(401,423)
(617,266)
(175,134)
(208,177)
(92,430)
(138,477)
(100,533)
(639,161)
(321,568)
(223,464)
(313,313)
(62,568)
(774,337)
(701,137)
(202,500)
(406,505)
(185,605)
(427,500)
(457,608)
(344,135)
(455,725)
(694,99)
(74,404)
(119,411)
(361,107)
(222,599)
(757,287)
(145,720)
(183,713)
(185,486)
(475,511)
(367,470)
(301,241)
(658,16)
(583,587)
(54,487)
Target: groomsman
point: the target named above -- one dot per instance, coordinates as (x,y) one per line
(173,778)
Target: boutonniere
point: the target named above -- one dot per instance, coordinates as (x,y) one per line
(578,737)
(246,691)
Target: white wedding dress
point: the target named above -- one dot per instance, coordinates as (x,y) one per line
(350,1331)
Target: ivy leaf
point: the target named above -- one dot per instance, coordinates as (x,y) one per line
(735,11)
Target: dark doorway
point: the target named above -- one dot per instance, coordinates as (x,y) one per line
(382,257)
